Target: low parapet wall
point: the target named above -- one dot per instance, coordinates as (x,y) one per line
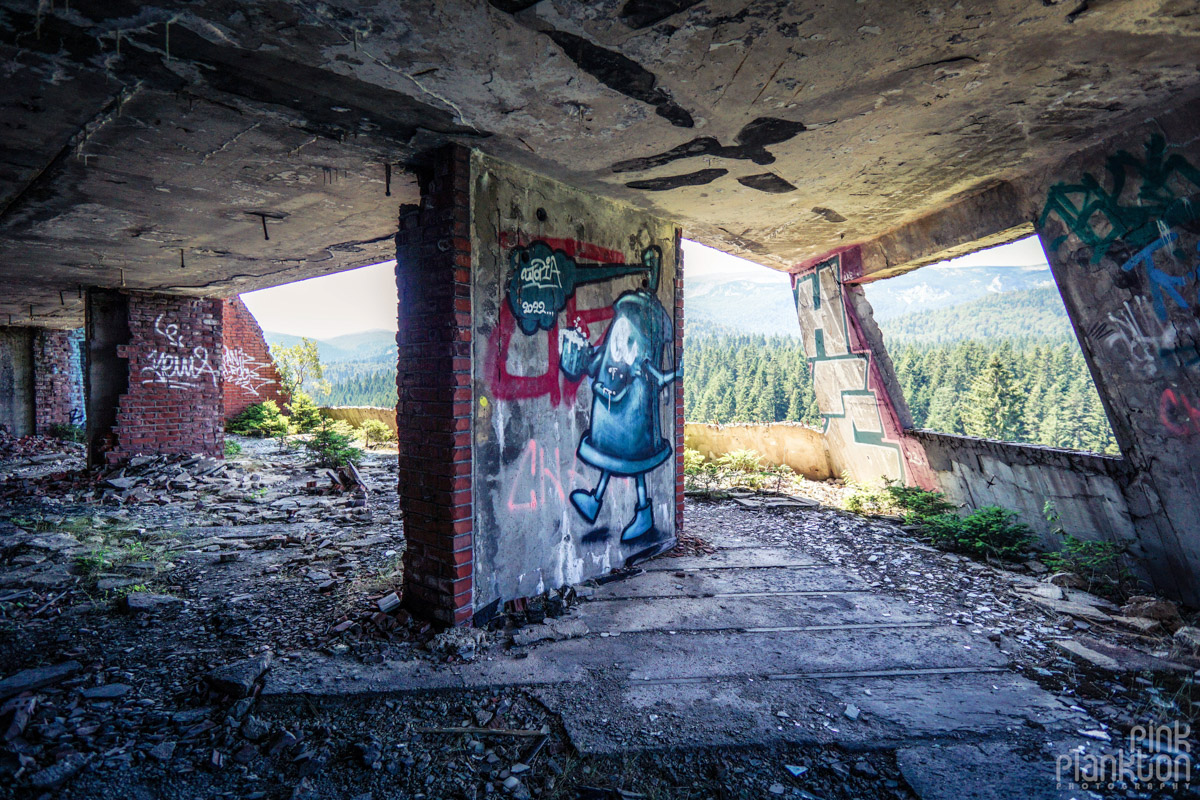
(798,446)
(357,415)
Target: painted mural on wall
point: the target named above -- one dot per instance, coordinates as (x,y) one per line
(623,369)
(862,431)
(174,363)
(1145,217)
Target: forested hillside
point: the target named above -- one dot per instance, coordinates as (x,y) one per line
(976,369)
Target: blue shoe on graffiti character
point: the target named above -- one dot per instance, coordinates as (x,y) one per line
(641,524)
(586,504)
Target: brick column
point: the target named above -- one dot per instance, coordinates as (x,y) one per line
(58,379)
(154,375)
(249,372)
(679,420)
(433,382)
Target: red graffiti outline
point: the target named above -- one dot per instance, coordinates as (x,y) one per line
(552,383)
(1168,412)
(534,453)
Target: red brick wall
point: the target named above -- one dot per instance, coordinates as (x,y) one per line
(249,372)
(433,381)
(173,402)
(58,379)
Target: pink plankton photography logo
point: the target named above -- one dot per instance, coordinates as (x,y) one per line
(1156,758)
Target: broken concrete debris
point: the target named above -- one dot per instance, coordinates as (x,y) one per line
(237,679)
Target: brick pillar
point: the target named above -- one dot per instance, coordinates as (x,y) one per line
(154,375)
(679,420)
(433,381)
(58,379)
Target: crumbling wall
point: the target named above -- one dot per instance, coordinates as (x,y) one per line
(865,416)
(357,415)
(1121,225)
(16,380)
(172,397)
(577,420)
(247,369)
(779,443)
(58,379)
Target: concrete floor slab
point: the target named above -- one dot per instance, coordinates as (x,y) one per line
(984,771)
(753,557)
(739,613)
(702,583)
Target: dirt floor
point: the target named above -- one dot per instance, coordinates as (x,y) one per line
(140,611)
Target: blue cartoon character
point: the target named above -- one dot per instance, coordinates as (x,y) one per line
(625,437)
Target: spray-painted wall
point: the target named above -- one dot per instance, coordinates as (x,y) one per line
(1121,225)
(864,422)
(574,365)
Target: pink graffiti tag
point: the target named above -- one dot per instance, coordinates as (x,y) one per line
(543,483)
(1178,415)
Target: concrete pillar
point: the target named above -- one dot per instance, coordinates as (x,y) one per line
(540,394)
(153,379)
(860,400)
(1121,226)
(16,380)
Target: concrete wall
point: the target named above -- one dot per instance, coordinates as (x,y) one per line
(1121,224)
(864,411)
(574,357)
(247,369)
(17,380)
(1085,488)
(357,415)
(798,446)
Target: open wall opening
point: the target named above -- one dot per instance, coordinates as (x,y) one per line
(982,346)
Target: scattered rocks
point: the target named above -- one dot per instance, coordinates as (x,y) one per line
(1189,637)
(1067,580)
(460,643)
(37,678)
(110,691)
(389,603)
(56,776)
(554,629)
(238,679)
(148,602)
(1153,608)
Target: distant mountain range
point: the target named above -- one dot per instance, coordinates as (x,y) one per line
(374,345)
(926,304)
(760,301)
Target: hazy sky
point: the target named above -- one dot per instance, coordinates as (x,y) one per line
(365,299)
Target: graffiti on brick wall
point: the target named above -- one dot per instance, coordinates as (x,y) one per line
(1137,218)
(849,403)
(242,371)
(175,364)
(626,366)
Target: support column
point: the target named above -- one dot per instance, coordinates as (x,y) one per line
(1121,226)
(540,401)
(17,400)
(153,380)
(433,383)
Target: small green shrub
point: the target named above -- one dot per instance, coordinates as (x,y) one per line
(260,419)
(864,500)
(1101,564)
(374,432)
(693,462)
(232,448)
(744,461)
(304,415)
(917,503)
(989,531)
(333,444)
(66,432)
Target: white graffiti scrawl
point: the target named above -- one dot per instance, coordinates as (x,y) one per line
(177,367)
(239,369)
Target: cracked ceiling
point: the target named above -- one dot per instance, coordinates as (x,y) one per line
(214,147)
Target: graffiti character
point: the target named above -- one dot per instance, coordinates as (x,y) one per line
(625,436)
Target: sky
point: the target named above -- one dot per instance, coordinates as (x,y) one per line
(365,299)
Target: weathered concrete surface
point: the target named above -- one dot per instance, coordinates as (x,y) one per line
(781,443)
(1121,227)
(1085,488)
(574,375)
(777,130)
(695,653)
(17,380)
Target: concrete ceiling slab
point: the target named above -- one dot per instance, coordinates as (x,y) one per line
(775,130)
